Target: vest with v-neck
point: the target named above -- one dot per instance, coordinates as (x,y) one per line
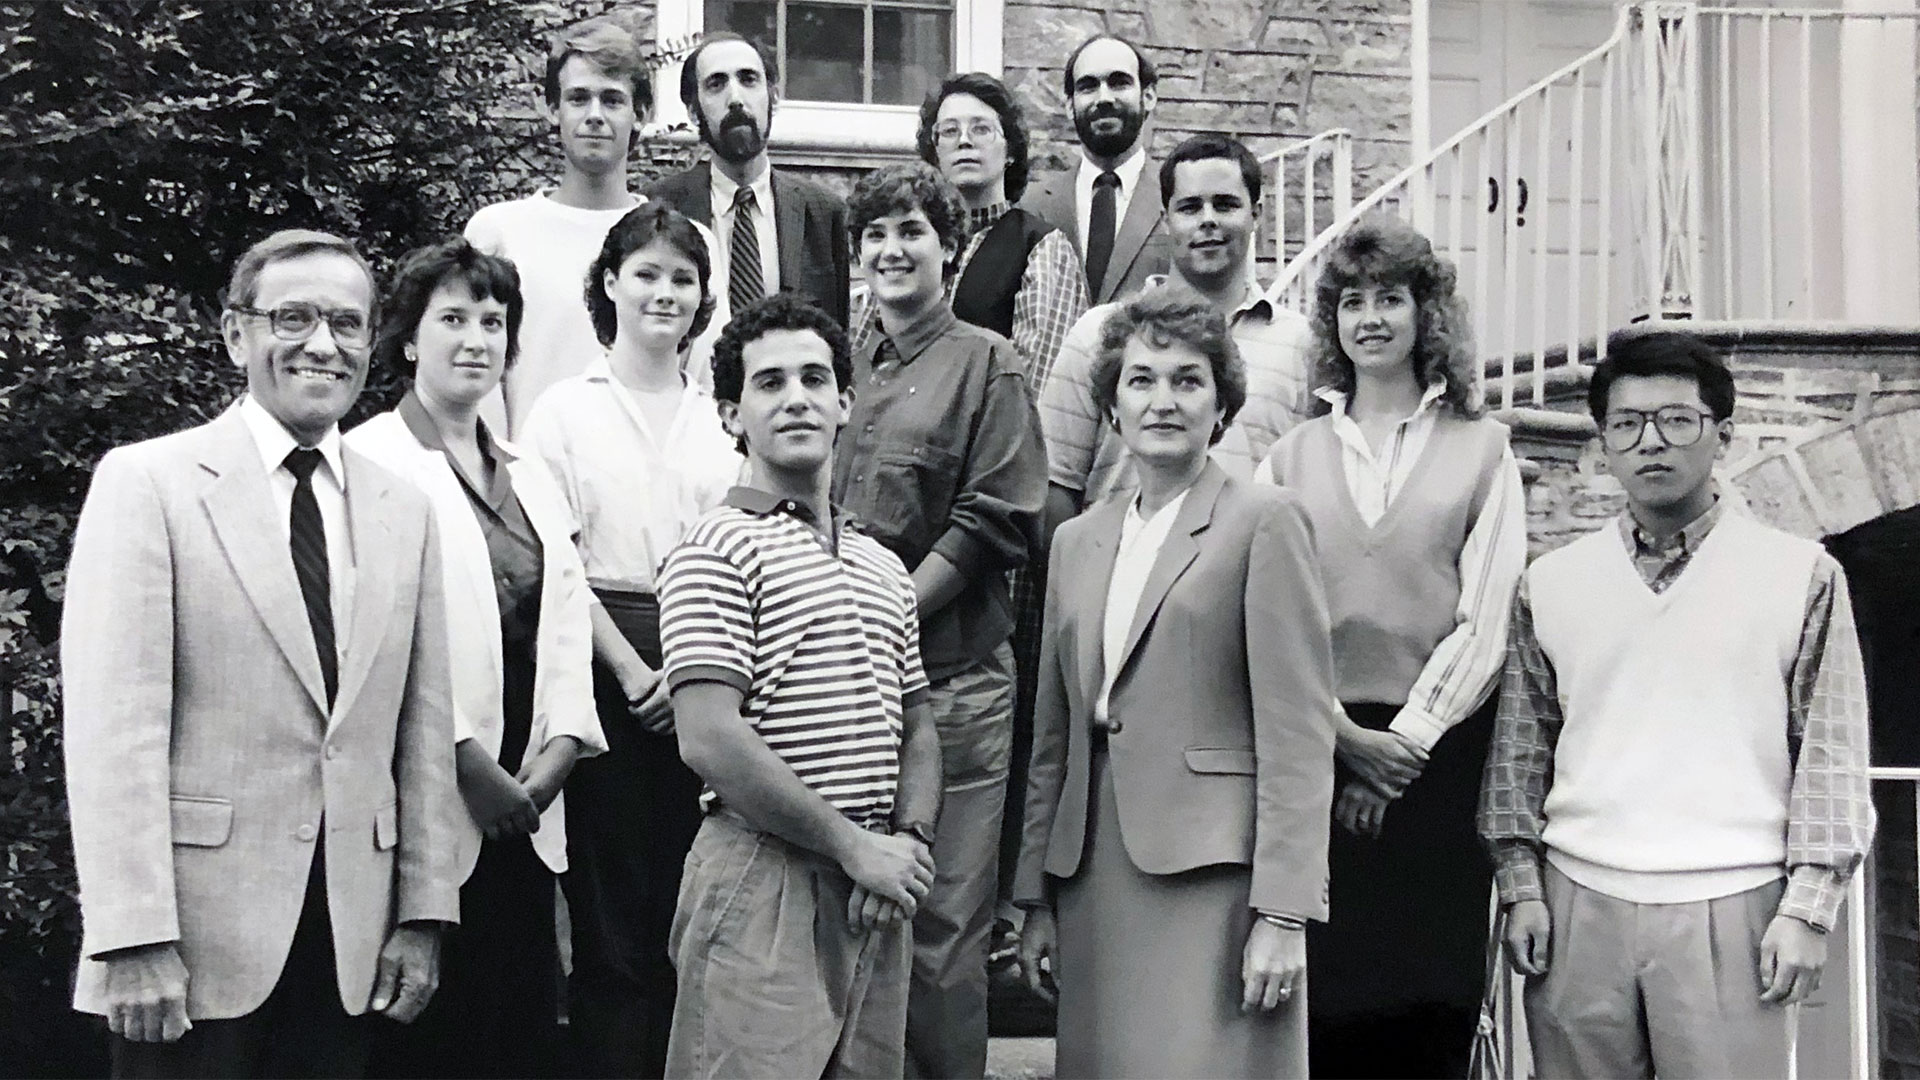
(1393,588)
(1671,773)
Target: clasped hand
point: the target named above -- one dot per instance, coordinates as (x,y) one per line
(648,699)
(891,875)
(1387,760)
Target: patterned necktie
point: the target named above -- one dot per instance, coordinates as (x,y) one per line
(744,284)
(308,538)
(1100,225)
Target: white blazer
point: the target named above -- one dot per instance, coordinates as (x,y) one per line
(563,644)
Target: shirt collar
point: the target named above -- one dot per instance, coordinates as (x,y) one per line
(275,442)
(979,220)
(414,415)
(1128,169)
(1685,542)
(924,331)
(1253,301)
(1338,398)
(723,189)
(762,503)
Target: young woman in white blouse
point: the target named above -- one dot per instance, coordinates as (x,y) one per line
(640,455)
(1420,528)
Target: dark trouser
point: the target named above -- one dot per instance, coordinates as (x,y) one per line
(495,1010)
(631,817)
(1398,971)
(1028,588)
(300,1030)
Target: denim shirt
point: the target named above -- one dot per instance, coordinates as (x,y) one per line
(943,454)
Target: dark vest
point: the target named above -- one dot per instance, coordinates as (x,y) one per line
(984,296)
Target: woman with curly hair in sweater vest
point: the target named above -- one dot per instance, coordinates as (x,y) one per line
(1420,528)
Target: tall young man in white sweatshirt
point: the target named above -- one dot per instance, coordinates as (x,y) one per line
(1677,792)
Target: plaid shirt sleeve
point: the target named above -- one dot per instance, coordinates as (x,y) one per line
(1069,420)
(1513,791)
(1830,820)
(1052,297)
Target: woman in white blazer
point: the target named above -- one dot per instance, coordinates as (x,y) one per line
(520,639)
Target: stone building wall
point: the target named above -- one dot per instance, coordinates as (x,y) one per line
(1269,72)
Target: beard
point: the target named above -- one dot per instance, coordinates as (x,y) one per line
(738,139)
(1109,146)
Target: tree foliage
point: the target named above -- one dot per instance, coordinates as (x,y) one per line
(143,146)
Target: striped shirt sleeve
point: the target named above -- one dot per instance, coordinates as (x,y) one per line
(913,677)
(1465,665)
(706,619)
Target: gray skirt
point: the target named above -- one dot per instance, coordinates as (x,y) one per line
(1148,968)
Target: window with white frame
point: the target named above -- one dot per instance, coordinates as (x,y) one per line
(853,72)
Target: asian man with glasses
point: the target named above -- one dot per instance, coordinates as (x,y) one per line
(1677,792)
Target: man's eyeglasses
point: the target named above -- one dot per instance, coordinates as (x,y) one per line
(296,321)
(978,130)
(1679,425)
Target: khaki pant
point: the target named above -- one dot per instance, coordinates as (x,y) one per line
(1639,990)
(772,982)
(947,1010)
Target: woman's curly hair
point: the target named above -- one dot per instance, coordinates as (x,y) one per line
(1383,250)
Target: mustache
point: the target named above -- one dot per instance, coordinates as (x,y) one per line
(738,118)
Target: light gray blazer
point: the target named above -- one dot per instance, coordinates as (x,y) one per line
(1224,699)
(201,757)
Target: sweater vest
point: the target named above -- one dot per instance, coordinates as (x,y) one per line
(1672,771)
(1393,588)
(987,287)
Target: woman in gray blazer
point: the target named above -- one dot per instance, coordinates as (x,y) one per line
(1175,841)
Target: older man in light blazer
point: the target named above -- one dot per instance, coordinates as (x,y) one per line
(258,729)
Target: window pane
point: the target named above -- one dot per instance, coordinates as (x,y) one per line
(824,45)
(912,50)
(755,20)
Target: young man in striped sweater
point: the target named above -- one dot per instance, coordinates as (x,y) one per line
(792,648)
(1683,736)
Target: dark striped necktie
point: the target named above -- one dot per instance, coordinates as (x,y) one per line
(744,284)
(308,536)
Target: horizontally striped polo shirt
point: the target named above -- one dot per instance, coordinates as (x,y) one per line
(820,636)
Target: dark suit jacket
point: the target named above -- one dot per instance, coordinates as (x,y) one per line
(1222,715)
(810,221)
(1140,244)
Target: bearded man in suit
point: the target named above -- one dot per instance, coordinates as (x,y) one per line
(777,231)
(258,729)
(1110,206)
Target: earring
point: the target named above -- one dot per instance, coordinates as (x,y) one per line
(412,355)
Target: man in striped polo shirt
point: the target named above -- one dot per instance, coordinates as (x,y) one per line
(792,649)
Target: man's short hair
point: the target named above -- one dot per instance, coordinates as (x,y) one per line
(902,189)
(1167,313)
(779,311)
(690,69)
(1665,353)
(421,273)
(1149,75)
(286,244)
(607,45)
(994,95)
(1204,147)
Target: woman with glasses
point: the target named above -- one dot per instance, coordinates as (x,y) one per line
(519,634)
(1420,525)
(640,455)
(1176,815)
